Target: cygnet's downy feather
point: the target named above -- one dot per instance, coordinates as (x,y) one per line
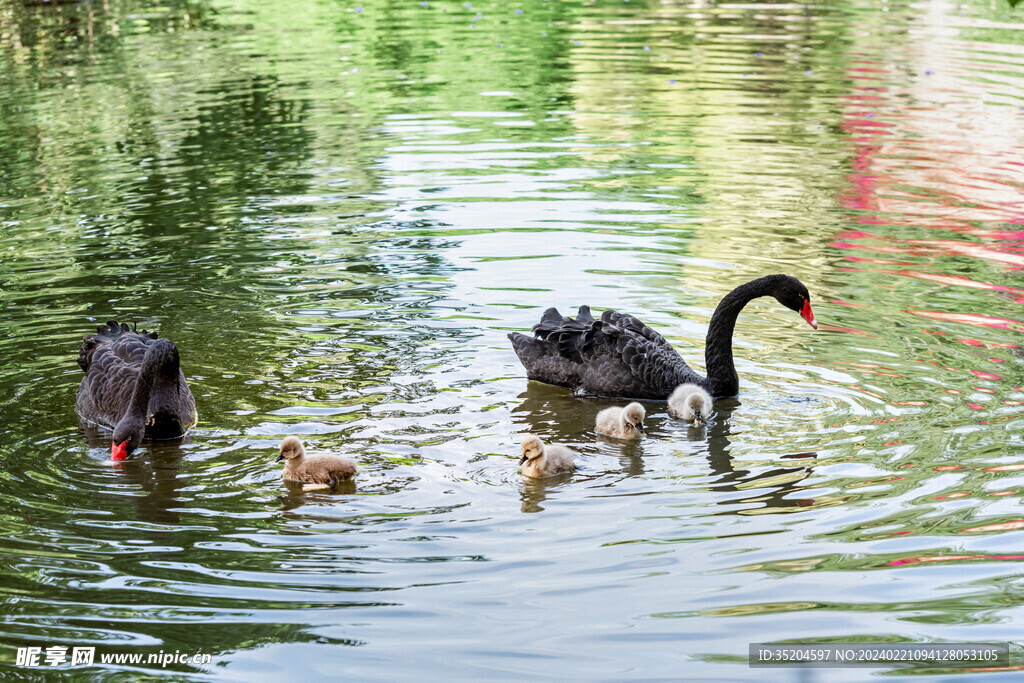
(540,460)
(690,402)
(623,423)
(320,468)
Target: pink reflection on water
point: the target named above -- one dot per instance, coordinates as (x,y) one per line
(848,303)
(877,261)
(971,319)
(1000,526)
(920,559)
(956,280)
(981,374)
(951,496)
(822,327)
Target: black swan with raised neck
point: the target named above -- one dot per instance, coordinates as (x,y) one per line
(133,384)
(619,356)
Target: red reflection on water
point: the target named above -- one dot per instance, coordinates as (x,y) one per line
(877,261)
(1004,418)
(919,559)
(865,391)
(954,280)
(885,249)
(834,328)
(975,406)
(949,163)
(1000,526)
(981,374)
(971,319)
(883,244)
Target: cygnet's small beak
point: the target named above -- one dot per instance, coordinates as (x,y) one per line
(522,460)
(279,458)
(640,427)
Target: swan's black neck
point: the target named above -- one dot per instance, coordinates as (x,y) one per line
(157,386)
(718,346)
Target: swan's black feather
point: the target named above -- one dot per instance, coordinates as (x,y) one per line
(616,355)
(113,360)
(620,356)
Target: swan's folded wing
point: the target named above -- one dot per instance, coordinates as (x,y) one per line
(117,339)
(106,389)
(634,326)
(562,332)
(651,360)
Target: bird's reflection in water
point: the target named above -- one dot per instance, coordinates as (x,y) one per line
(630,453)
(297,494)
(535,490)
(154,467)
(558,416)
(555,414)
(770,490)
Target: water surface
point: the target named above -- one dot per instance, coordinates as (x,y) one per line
(338,211)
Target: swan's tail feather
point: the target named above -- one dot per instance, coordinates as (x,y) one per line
(106,334)
(550,317)
(542,360)
(85,352)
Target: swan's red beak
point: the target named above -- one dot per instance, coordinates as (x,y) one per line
(118,451)
(807,315)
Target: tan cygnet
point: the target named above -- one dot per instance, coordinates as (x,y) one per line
(690,402)
(543,461)
(624,423)
(320,468)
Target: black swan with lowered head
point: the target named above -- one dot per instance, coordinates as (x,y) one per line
(134,385)
(620,356)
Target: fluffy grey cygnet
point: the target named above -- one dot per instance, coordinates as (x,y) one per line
(321,468)
(543,461)
(624,423)
(690,402)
